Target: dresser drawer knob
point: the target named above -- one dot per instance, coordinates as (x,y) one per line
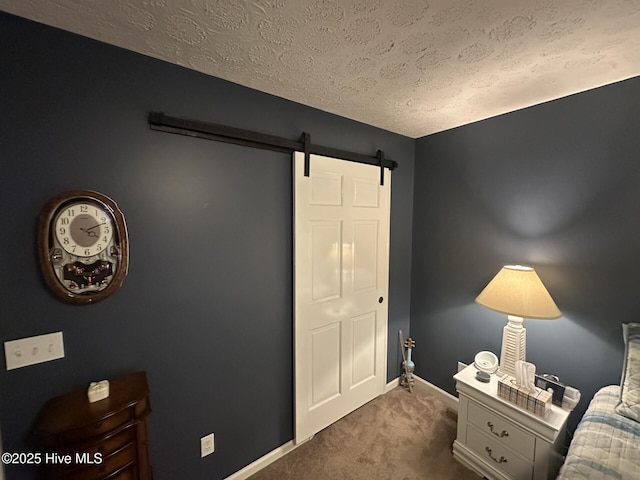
(500,460)
(504,433)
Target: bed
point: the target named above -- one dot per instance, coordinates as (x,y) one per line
(606,444)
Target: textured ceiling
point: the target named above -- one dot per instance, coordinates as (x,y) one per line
(410,66)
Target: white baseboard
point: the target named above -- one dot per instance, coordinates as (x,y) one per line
(281,451)
(450,400)
(265,460)
(391,385)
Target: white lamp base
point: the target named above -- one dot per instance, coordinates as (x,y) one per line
(514,342)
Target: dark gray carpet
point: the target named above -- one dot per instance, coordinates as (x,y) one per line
(399,435)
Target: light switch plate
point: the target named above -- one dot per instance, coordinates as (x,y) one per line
(32,350)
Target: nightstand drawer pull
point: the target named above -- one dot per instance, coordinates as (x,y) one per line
(501,460)
(504,433)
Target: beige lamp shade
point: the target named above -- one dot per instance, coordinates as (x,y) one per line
(517,290)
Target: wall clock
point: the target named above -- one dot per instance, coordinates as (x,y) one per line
(83,246)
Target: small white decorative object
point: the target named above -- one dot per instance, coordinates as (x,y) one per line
(486,361)
(98,391)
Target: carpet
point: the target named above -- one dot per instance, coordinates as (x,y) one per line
(399,435)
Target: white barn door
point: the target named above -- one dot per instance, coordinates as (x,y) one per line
(341,277)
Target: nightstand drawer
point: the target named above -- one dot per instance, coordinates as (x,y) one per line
(496,454)
(501,430)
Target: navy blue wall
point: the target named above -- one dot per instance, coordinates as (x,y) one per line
(556,186)
(206,308)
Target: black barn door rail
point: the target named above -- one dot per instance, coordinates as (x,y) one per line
(222,133)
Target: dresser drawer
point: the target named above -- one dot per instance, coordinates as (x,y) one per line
(99,428)
(128,473)
(496,454)
(120,460)
(106,445)
(501,430)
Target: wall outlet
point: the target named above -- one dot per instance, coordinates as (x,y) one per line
(32,350)
(207,445)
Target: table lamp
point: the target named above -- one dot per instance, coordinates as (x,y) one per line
(517,291)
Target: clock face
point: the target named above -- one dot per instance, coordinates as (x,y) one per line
(83,246)
(84,229)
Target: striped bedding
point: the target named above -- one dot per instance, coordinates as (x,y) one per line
(606,445)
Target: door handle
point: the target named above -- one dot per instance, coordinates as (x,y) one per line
(381,299)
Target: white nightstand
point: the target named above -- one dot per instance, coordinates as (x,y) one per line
(499,440)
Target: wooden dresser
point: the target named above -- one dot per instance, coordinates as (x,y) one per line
(106,439)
